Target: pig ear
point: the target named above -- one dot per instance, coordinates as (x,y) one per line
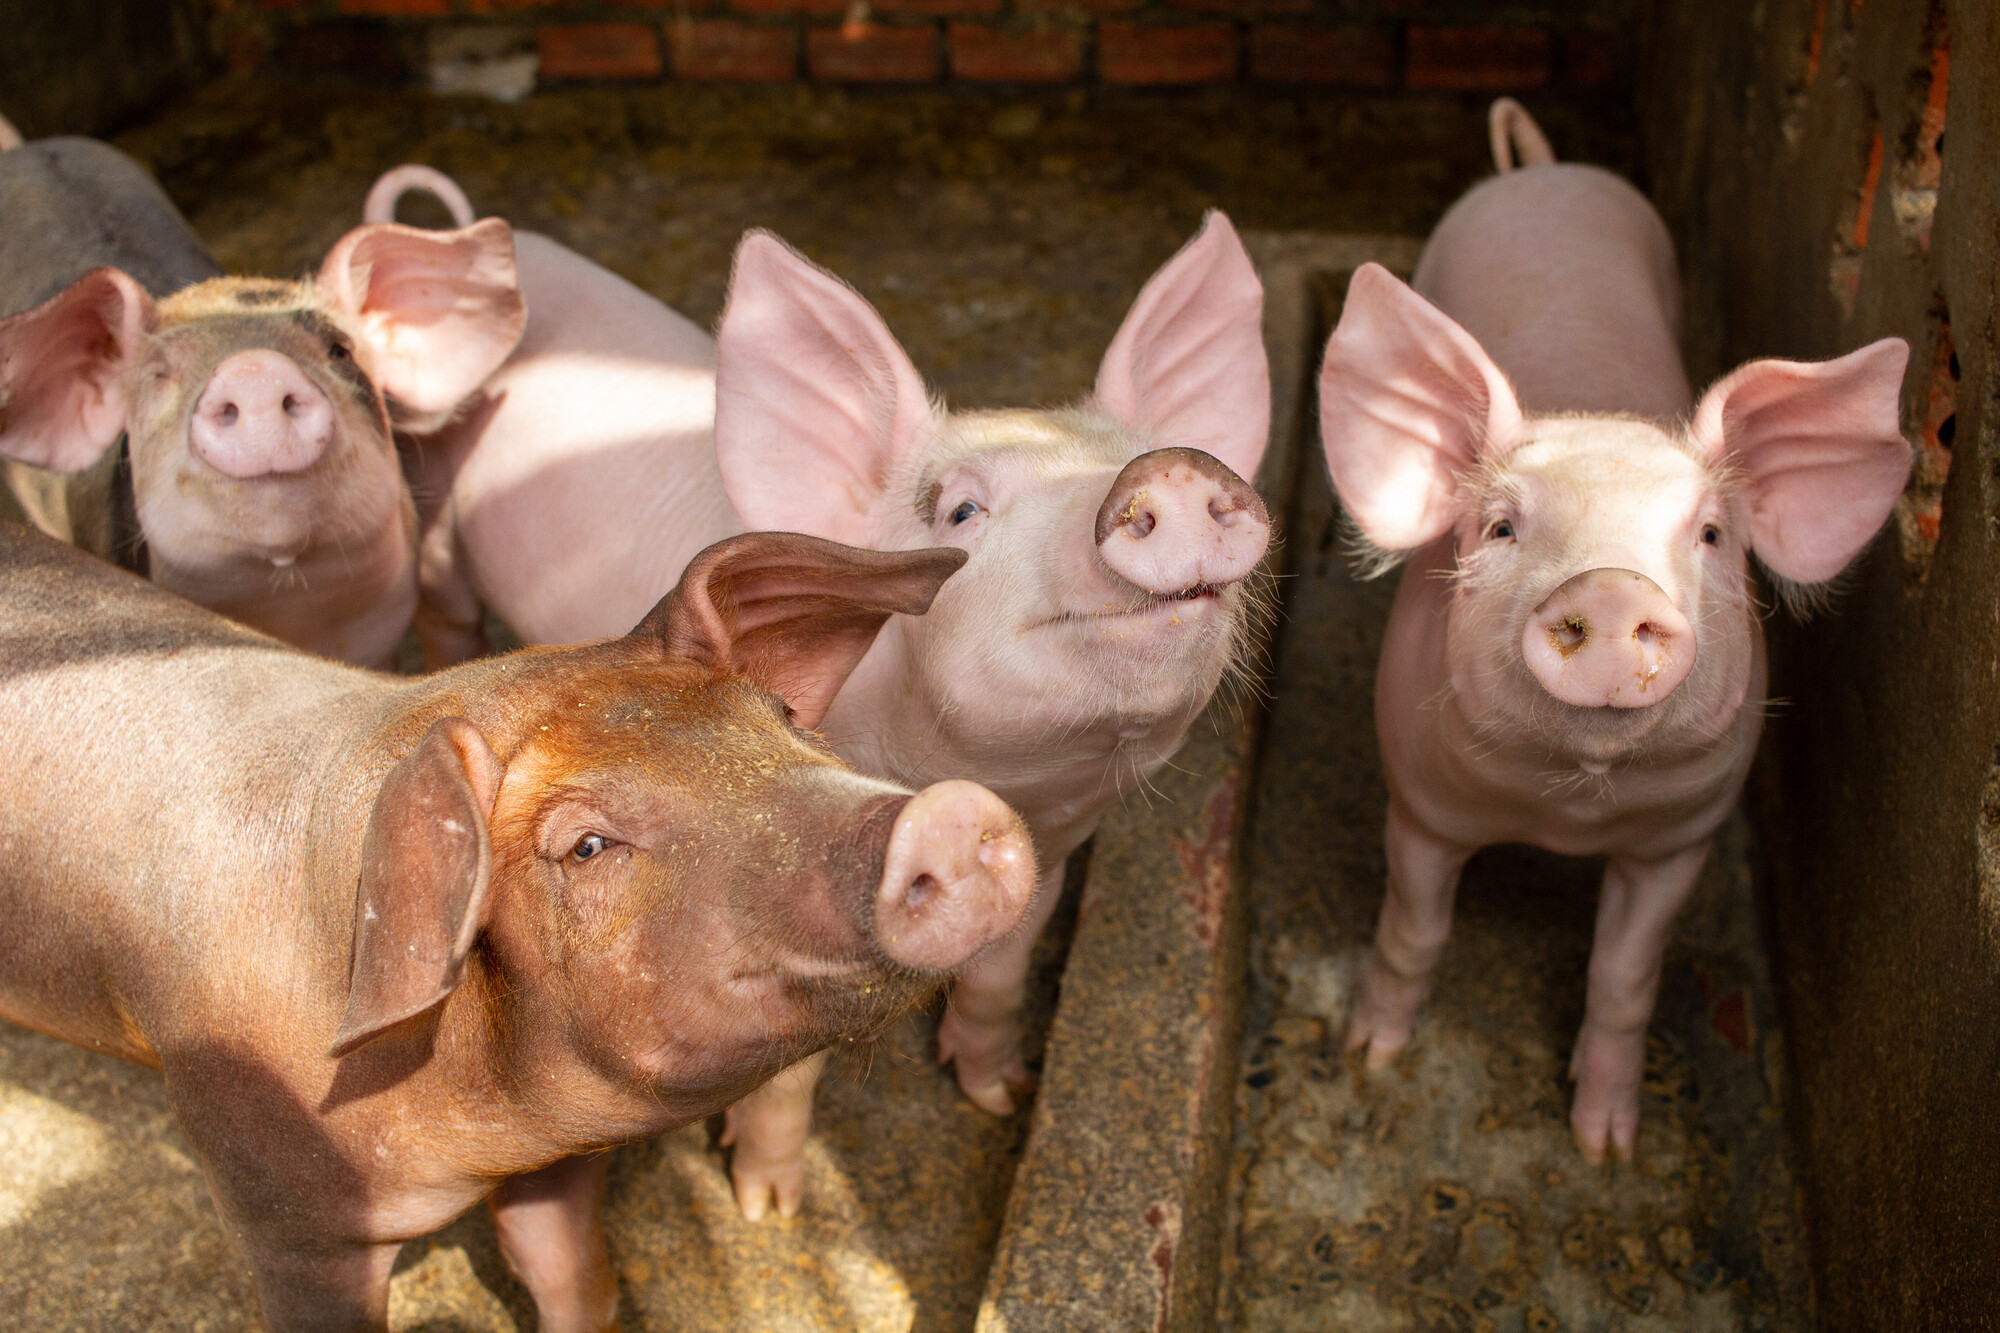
(426,864)
(1188,365)
(816,404)
(63,384)
(793,612)
(438,311)
(1822,451)
(1407,401)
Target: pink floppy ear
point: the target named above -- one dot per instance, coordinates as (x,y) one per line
(1821,446)
(1188,365)
(816,404)
(438,310)
(63,384)
(1407,401)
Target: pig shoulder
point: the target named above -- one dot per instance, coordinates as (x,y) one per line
(1565,274)
(73,205)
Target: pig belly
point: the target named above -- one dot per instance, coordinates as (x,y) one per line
(1566,277)
(589,478)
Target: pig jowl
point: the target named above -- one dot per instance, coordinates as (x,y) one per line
(1110,545)
(410,944)
(1574,659)
(231,437)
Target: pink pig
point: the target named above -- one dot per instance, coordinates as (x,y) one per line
(1101,605)
(1574,659)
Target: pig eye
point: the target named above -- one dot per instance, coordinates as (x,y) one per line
(1711,535)
(966,509)
(1500,529)
(589,845)
(336,351)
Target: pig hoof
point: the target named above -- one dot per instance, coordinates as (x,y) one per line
(1385,1014)
(1605,1114)
(990,1068)
(759,1183)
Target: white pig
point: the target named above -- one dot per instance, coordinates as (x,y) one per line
(1574,659)
(1102,604)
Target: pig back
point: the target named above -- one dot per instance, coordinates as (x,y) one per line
(158,764)
(72,205)
(1566,276)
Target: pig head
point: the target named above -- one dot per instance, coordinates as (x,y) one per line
(1574,659)
(1108,543)
(536,905)
(244,425)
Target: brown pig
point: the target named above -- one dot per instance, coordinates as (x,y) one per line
(401,945)
(231,437)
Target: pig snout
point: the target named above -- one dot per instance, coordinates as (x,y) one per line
(958,875)
(1180,521)
(259,414)
(1609,638)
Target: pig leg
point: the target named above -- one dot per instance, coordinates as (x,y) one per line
(982,1023)
(1410,937)
(1640,901)
(769,1129)
(326,1288)
(450,622)
(550,1235)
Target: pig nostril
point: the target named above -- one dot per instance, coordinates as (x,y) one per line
(227,416)
(1568,635)
(1650,634)
(1136,517)
(291,406)
(922,889)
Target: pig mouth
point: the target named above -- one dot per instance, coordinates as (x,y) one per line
(1187,599)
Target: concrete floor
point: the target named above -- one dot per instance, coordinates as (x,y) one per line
(1003,241)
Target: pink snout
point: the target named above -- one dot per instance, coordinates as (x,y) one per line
(259,414)
(958,875)
(1180,521)
(1609,638)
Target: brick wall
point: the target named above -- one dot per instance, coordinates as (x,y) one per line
(1435,45)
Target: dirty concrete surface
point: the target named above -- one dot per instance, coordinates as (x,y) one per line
(1444,1194)
(1003,240)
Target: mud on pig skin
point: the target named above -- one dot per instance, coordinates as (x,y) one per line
(231,437)
(407,944)
(1574,658)
(1100,607)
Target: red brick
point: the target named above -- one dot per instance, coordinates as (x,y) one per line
(1245,9)
(395,6)
(1351,57)
(872,53)
(989,55)
(1594,58)
(1076,9)
(942,8)
(1134,53)
(817,8)
(726,49)
(599,51)
(1486,58)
